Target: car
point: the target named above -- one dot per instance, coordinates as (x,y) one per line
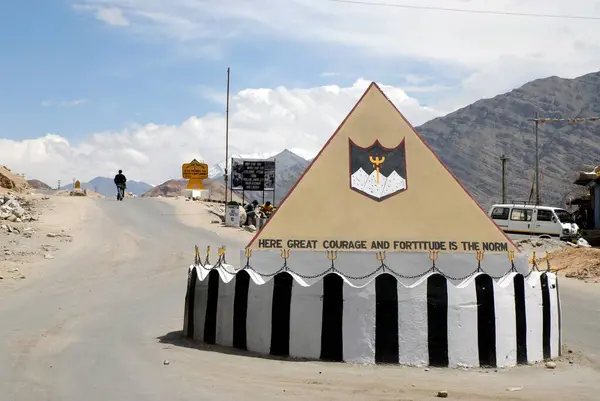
(541,221)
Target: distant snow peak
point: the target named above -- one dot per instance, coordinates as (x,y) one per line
(368,184)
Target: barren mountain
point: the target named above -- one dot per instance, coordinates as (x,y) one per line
(37,184)
(471,140)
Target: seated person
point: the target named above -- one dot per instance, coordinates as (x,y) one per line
(267,209)
(251,213)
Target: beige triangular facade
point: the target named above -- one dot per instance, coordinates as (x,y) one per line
(411,203)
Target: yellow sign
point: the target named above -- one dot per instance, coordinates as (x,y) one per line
(195,172)
(77,185)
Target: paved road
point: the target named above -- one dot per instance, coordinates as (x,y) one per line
(581,317)
(90,330)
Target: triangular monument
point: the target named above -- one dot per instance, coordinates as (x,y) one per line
(377,185)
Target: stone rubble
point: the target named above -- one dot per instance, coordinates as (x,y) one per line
(15,209)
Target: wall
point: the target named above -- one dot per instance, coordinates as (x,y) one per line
(432,322)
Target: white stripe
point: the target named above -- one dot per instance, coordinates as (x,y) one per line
(224,335)
(359,323)
(258,318)
(412,325)
(533,307)
(506,324)
(462,325)
(306,313)
(200,302)
(553,316)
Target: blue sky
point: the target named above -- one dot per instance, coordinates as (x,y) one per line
(64,71)
(139,84)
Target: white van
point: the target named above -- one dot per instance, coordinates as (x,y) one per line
(541,221)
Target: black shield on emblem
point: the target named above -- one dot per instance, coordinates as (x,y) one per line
(376,171)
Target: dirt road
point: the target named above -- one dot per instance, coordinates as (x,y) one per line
(103,317)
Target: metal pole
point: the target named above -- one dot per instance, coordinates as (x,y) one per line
(537,162)
(503,159)
(227,140)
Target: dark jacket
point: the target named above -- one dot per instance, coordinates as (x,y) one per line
(120,179)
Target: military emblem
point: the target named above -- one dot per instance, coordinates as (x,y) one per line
(376,171)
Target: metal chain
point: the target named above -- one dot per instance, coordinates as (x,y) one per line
(383,267)
(458,278)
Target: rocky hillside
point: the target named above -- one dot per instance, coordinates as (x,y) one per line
(37,184)
(174,188)
(471,139)
(11,181)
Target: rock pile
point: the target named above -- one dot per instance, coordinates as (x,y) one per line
(15,210)
(540,245)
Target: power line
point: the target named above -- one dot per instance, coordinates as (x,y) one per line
(464,10)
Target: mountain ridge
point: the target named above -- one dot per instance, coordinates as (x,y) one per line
(106,186)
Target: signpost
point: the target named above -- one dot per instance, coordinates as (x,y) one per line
(253,175)
(195,172)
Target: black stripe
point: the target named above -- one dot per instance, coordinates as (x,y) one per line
(190,301)
(437,320)
(559,319)
(386,319)
(545,316)
(240,309)
(210,321)
(332,346)
(280,317)
(521,319)
(486,320)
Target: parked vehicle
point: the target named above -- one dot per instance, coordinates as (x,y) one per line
(541,221)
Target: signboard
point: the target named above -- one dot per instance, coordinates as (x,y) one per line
(195,172)
(254,176)
(237,174)
(269,175)
(232,216)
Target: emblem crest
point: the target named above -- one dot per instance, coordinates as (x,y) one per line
(376,171)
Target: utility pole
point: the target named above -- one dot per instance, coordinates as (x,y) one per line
(537,120)
(503,159)
(537,162)
(227,140)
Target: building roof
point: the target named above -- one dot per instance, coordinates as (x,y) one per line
(586,177)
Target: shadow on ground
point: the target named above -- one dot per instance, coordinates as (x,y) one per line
(178,339)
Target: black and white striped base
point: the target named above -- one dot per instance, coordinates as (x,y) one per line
(480,322)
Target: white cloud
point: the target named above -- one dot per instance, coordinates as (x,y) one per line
(262,121)
(64,103)
(496,52)
(110,15)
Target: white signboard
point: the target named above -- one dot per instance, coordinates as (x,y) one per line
(232,216)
